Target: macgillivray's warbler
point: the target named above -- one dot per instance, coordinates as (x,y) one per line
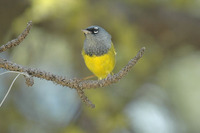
(98,51)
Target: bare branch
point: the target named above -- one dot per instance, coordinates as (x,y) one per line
(18,40)
(84,98)
(72,83)
(77,84)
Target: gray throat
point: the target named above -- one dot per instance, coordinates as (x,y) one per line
(97,47)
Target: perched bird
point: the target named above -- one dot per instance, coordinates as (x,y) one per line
(98,51)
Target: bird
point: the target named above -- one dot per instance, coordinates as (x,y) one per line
(98,51)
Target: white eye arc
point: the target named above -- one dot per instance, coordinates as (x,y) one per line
(96,31)
(96,28)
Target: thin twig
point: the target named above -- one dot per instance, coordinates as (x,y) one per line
(18,40)
(84,98)
(9,90)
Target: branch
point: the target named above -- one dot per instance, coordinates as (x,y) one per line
(77,84)
(18,40)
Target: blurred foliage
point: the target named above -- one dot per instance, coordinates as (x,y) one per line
(161,92)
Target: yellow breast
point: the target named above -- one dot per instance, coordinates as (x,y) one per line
(102,65)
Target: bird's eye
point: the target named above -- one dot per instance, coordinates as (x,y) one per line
(93,30)
(96,31)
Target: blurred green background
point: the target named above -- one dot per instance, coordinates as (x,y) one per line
(160,95)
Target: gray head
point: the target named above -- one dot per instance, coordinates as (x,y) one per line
(97,41)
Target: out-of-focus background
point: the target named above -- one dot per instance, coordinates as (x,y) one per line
(160,95)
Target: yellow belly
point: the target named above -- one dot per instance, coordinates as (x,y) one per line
(102,65)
